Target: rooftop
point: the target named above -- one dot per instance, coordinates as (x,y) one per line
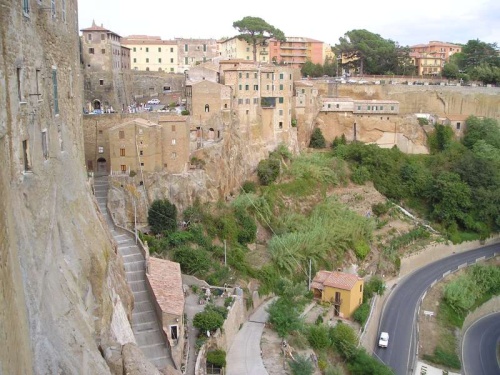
(334,279)
(166,282)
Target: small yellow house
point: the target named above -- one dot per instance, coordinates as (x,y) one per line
(343,290)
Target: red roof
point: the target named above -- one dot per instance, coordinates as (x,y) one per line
(335,279)
(166,281)
(94,27)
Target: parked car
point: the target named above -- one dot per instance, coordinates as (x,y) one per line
(384,340)
(154,101)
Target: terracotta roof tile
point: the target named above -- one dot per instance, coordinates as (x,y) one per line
(335,279)
(166,282)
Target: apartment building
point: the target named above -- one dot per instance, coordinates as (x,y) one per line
(427,64)
(295,51)
(437,49)
(195,51)
(151,53)
(234,48)
(106,70)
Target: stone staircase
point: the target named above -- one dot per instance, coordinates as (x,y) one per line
(145,324)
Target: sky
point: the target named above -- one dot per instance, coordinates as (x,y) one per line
(402,21)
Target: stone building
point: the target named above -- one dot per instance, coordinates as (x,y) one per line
(143,142)
(194,51)
(62,289)
(306,107)
(106,70)
(234,48)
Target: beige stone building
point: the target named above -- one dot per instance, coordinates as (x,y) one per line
(234,48)
(306,107)
(151,53)
(106,70)
(195,51)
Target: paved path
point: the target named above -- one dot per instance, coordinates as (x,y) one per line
(145,325)
(244,357)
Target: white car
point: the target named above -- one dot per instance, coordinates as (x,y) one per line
(384,340)
(154,101)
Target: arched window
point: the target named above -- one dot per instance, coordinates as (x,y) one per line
(207,108)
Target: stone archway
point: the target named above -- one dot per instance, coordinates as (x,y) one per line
(96,104)
(211,134)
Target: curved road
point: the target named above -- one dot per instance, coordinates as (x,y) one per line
(400,311)
(480,343)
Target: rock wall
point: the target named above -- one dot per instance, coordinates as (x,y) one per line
(59,275)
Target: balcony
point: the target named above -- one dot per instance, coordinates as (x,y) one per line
(293,47)
(290,54)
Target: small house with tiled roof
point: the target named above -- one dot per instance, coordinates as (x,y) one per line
(343,290)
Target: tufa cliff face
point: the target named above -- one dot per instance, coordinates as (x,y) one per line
(60,280)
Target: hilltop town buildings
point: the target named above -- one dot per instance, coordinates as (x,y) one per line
(429,59)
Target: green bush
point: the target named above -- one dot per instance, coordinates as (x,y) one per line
(192,261)
(162,216)
(179,238)
(380,209)
(374,285)
(217,358)
(423,121)
(317,139)
(318,337)
(249,187)
(301,366)
(247,226)
(444,357)
(360,175)
(361,249)
(361,314)
(344,339)
(284,317)
(268,171)
(208,321)
(364,364)
(185,112)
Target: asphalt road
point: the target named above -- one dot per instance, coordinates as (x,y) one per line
(480,343)
(244,355)
(399,314)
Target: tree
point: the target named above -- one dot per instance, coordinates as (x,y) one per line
(450,70)
(371,53)
(255,30)
(284,317)
(268,170)
(344,340)
(208,321)
(301,366)
(162,216)
(317,139)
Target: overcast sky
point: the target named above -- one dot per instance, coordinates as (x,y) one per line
(402,21)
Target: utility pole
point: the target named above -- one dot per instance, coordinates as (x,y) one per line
(135,221)
(309,274)
(225,253)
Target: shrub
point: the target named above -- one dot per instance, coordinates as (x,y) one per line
(294,122)
(317,139)
(268,171)
(301,366)
(249,187)
(318,337)
(185,112)
(361,249)
(364,364)
(192,261)
(423,121)
(179,238)
(344,340)
(360,175)
(284,317)
(374,285)
(208,321)
(162,216)
(248,227)
(380,209)
(361,314)
(217,357)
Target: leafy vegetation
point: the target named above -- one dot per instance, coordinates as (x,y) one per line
(317,139)
(217,357)
(162,216)
(301,366)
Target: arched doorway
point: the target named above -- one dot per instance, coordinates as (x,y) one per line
(211,134)
(97,104)
(101,167)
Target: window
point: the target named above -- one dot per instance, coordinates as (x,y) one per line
(122,152)
(381,107)
(123,168)
(171,60)
(53,8)
(281,87)
(207,108)
(45,148)
(281,112)
(361,288)
(89,36)
(255,100)
(281,75)
(280,100)
(247,111)
(134,49)
(101,82)
(37,77)
(159,60)
(100,132)
(240,87)
(256,87)
(100,149)
(173,155)
(359,108)
(186,48)
(267,87)
(255,75)
(247,101)
(147,49)
(141,152)
(103,51)
(186,60)
(239,75)
(171,50)
(204,48)
(280,125)
(26,7)
(26,156)
(458,126)
(392,108)
(54,84)
(135,60)
(248,75)
(173,128)
(337,105)
(147,60)
(121,134)
(173,141)
(171,69)
(91,51)
(247,87)
(159,49)
(240,101)
(18,84)
(103,36)
(368,108)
